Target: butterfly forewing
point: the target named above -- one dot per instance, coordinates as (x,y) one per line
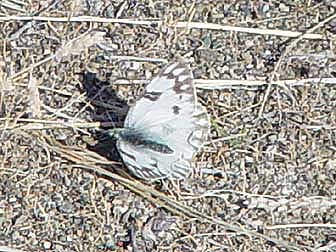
(167,114)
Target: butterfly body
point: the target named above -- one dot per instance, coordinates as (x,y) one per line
(139,139)
(165,128)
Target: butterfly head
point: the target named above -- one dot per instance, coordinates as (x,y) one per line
(116,133)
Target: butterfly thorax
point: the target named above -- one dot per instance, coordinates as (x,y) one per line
(138,138)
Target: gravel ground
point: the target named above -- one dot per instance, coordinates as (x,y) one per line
(62,79)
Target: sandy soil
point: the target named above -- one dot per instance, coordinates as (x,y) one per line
(269,90)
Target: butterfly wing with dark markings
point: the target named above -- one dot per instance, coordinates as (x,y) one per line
(166,117)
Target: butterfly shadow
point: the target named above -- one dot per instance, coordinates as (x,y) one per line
(106,108)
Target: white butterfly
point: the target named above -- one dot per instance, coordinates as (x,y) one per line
(165,128)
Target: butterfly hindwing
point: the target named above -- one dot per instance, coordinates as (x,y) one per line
(166,115)
(146,164)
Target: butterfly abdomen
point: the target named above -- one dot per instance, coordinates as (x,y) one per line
(138,139)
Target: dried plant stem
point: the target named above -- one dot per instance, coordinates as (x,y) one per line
(8,249)
(35,124)
(183,25)
(31,67)
(236,84)
(302,225)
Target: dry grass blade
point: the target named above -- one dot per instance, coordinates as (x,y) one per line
(274,32)
(90,161)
